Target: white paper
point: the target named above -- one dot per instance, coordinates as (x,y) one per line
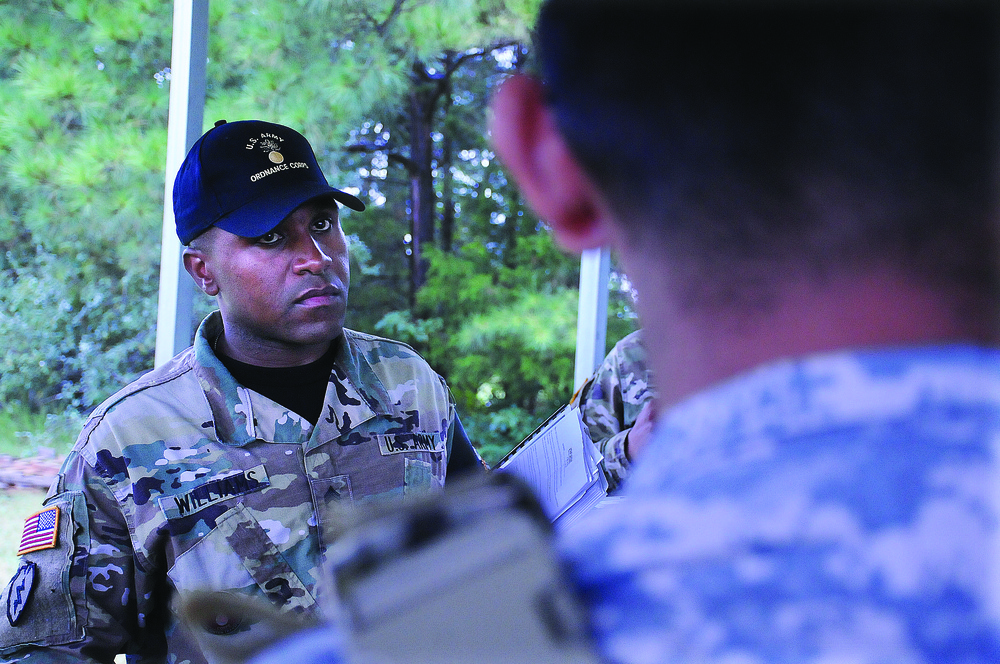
(561,464)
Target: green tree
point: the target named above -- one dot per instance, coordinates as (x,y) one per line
(493,308)
(81,145)
(391,93)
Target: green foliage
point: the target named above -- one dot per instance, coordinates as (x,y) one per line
(84,87)
(497,431)
(82,146)
(504,337)
(83,117)
(81,329)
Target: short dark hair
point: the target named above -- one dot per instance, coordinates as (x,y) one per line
(827,132)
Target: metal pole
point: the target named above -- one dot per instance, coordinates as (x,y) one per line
(189,52)
(592,316)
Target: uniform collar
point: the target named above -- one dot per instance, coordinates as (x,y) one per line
(354,395)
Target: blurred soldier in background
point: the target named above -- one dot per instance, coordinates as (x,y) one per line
(616,404)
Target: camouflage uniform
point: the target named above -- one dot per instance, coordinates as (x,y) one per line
(610,402)
(185,480)
(841,508)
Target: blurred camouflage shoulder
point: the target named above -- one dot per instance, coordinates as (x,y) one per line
(611,400)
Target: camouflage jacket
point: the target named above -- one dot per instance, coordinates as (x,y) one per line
(185,480)
(610,402)
(840,508)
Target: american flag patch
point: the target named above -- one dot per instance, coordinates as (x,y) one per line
(40,531)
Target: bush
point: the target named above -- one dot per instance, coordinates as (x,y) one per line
(72,332)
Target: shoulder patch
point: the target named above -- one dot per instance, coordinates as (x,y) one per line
(19,591)
(41,531)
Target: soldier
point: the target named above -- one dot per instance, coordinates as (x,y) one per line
(616,404)
(805,197)
(224,469)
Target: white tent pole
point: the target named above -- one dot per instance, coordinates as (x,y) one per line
(189,52)
(592,316)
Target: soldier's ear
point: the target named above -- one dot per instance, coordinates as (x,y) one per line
(198,264)
(536,155)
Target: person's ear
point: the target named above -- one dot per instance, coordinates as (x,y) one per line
(548,175)
(196,263)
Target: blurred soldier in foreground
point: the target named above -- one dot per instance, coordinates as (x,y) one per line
(616,404)
(805,196)
(224,469)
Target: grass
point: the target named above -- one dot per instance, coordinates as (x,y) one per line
(23,433)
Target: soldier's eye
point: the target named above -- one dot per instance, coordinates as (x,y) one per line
(268,239)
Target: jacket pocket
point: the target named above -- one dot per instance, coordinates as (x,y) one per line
(424,456)
(237,555)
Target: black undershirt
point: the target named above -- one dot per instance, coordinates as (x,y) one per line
(301,389)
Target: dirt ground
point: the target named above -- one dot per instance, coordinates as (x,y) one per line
(31,472)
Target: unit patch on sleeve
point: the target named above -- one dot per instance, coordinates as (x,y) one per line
(19,591)
(41,531)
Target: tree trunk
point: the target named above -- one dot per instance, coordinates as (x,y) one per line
(423,99)
(447,185)
(447,179)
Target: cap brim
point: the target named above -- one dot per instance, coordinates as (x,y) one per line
(261,216)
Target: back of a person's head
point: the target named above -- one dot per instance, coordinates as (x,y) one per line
(783,131)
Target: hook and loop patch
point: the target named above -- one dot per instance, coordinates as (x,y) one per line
(19,590)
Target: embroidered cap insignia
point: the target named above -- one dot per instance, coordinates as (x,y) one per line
(19,591)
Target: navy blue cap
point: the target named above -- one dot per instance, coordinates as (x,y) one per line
(245,177)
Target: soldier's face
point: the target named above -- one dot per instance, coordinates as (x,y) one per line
(283,295)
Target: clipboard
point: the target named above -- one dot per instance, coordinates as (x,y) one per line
(561,465)
(506,457)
